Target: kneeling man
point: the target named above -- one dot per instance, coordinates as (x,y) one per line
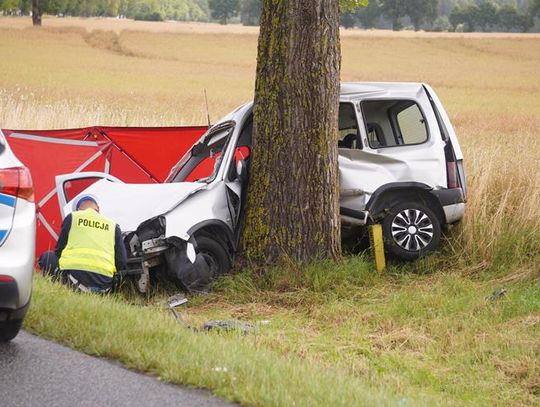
(89,250)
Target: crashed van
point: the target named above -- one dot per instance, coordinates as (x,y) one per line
(400,165)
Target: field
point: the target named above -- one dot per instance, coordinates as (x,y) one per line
(421,334)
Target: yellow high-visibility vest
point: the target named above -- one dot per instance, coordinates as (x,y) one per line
(90,245)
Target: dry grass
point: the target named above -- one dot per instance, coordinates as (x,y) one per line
(435,334)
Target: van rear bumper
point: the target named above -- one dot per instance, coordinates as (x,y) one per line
(454,213)
(452,202)
(448,197)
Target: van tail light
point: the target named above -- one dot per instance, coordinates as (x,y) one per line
(451,173)
(17,182)
(6,279)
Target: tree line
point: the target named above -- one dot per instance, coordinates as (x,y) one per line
(447,15)
(157,10)
(432,15)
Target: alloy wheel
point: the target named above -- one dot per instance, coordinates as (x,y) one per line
(412,230)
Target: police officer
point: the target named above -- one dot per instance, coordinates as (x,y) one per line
(89,250)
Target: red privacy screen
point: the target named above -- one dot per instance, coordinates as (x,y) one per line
(132,154)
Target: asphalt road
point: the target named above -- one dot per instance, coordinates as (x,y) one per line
(36,372)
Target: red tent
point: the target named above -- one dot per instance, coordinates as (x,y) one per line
(132,154)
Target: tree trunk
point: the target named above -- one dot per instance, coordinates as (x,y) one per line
(293,197)
(36,12)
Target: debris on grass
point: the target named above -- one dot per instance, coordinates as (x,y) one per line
(228,326)
(497,294)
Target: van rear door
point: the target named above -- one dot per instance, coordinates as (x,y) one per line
(403,136)
(454,155)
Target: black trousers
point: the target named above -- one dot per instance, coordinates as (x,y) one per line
(49,265)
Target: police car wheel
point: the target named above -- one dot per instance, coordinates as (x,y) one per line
(9,330)
(215,255)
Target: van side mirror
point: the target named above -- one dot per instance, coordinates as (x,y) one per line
(241,171)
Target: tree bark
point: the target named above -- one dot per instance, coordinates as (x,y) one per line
(36,12)
(293,196)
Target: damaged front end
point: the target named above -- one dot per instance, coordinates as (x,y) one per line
(153,256)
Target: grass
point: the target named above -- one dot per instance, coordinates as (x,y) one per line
(232,365)
(325,334)
(421,333)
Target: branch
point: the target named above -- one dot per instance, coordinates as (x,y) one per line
(348,6)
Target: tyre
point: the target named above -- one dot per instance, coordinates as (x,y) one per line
(9,330)
(411,230)
(215,255)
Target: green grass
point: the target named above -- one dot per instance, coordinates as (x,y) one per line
(326,334)
(233,366)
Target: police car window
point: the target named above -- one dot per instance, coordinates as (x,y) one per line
(392,123)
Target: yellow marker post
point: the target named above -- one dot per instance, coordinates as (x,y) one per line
(377,246)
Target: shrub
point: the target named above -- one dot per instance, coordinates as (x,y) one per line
(155,16)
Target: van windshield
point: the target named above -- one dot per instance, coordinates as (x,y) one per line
(202,162)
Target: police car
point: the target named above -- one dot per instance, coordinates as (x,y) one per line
(17,241)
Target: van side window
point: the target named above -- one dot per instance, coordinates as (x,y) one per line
(349,136)
(392,123)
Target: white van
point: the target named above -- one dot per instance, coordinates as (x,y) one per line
(400,165)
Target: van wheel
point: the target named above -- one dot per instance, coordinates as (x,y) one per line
(9,330)
(215,255)
(411,230)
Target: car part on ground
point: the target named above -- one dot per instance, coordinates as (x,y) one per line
(175,301)
(232,325)
(497,294)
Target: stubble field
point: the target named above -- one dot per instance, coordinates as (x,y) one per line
(422,332)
